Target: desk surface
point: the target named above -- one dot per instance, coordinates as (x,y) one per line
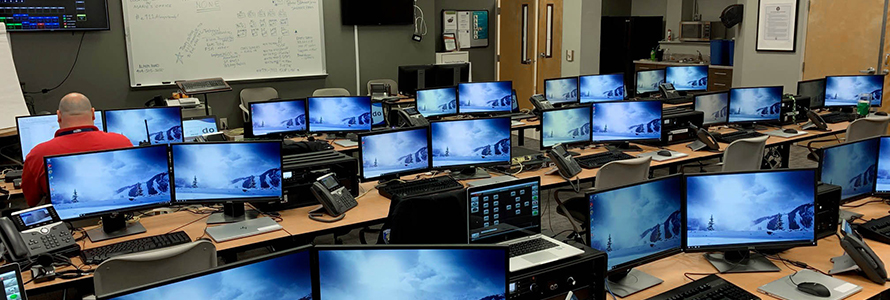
(8,186)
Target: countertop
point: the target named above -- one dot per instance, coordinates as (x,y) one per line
(669,63)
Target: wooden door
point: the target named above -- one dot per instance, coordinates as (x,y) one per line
(549,42)
(843,37)
(518,47)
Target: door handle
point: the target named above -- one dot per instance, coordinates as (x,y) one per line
(870,70)
(887,59)
(543,55)
(527,61)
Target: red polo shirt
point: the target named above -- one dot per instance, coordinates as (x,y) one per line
(67,141)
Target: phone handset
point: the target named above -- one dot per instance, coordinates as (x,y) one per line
(816,121)
(540,103)
(858,256)
(566,164)
(705,140)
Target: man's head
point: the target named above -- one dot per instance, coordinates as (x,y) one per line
(75,110)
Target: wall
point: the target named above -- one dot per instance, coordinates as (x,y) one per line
(753,68)
(571,36)
(483,58)
(710,10)
(591,25)
(43,60)
(649,8)
(616,8)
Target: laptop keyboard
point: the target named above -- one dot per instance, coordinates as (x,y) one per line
(530,246)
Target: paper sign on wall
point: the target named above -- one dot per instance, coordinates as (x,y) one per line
(470,28)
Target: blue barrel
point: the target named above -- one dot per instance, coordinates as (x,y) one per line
(718,52)
(730,46)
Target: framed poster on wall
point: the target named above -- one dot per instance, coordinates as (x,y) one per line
(777,25)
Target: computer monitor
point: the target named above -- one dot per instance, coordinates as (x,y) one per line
(278,117)
(845,91)
(194,127)
(157,125)
(602,88)
(715,106)
(34,130)
(626,121)
(467,144)
(568,126)
(413,78)
(450,75)
(97,184)
(394,153)
(283,275)
(504,211)
(437,102)
(377,117)
(755,105)
(649,81)
(749,211)
(485,97)
(688,78)
(561,90)
(815,89)
(852,166)
(635,225)
(883,178)
(227,172)
(339,114)
(412,272)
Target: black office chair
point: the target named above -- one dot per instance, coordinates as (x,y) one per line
(435,219)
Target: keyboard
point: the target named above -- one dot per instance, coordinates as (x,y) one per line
(835,117)
(877,229)
(96,256)
(675,101)
(735,136)
(203,86)
(601,159)
(711,287)
(420,187)
(530,246)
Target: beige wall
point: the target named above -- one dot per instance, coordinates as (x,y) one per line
(753,68)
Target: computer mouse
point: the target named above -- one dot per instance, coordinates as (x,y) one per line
(813,288)
(881,113)
(790,131)
(665,153)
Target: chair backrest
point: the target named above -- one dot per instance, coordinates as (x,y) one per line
(744,155)
(393,85)
(622,172)
(331,92)
(137,269)
(257,95)
(867,128)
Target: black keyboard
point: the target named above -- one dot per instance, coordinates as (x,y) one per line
(835,117)
(675,101)
(877,229)
(735,136)
(96,256)
(530,246)
(601,159)
(420,187)
(203,85)
(711,287)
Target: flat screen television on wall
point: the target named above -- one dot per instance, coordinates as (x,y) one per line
(377,12)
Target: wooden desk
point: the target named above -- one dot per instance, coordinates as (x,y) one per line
(336,146)
(8,186)
(372,208)
(671,269)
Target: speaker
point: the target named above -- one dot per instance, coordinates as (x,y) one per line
(828,205)
(732,15)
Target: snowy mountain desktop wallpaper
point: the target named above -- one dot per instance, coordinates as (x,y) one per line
(287,277)
(437,102)
(564,90)
(649,81)
(626,121)
(164,124)
(34,130)
(755,104)
(600,88)
(394,152)
(565,126)
(485,97)
(750,208)
(227,171)
(429,274)
(278,117)
(339,114)
(845,90)
(714,106)
(106,181)
(851,166)
(637,221)
(467,142)
(694,78)
(883,184)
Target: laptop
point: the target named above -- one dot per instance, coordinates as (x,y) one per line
(509,213)
(242,229)
(194,127)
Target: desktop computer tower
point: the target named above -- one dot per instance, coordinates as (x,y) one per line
(675,125)
(788,115)
(828,202)
(301,170)
(586,271)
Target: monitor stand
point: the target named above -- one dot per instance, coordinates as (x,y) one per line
(751,127)
(740,262)
(622,146)
(626,284)
(232,212)
(343,136)
(470,173)
(114,226)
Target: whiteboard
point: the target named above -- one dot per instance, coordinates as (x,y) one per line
(12,101)
(169,40)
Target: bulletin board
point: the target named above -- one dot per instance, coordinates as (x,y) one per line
(470,28)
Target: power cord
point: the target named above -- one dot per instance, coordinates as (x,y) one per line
(420,28)
(76,57)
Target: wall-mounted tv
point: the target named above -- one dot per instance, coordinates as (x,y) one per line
(377,12)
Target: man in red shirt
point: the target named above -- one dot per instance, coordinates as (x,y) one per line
(77,134)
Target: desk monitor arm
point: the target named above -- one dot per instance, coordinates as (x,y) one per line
(622,146)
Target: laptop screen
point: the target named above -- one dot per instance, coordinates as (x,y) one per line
(504,211)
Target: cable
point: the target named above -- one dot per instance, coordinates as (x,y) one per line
(609,289)
(76,57)
(861,204)
(420,27)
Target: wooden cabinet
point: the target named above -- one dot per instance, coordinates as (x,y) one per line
(719,79)
(647,67)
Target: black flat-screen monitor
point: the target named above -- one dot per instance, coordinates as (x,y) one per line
(561,90)
(34,130)
(715,106)
(688,78)
(475,142)
(389,12)
(852,166)
(649,81)
(418,77)
(437,102)
(278,117)
(412,272)
(755,105)
(602,88)
(227,172)
(567,126)
(339,114)
(626,121)
(54,15)
(815,89)
(158,125)
(394,153)
(846,91)
(485,97)
(450,75)
(93,184)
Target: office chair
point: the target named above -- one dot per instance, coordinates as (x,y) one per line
(331,92)
(393,85)
(613,174)
(432,219)
(137,269)
(744,155)
(858,130)
(255,95)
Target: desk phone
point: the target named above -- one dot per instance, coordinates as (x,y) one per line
(35,231)
(335,199)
